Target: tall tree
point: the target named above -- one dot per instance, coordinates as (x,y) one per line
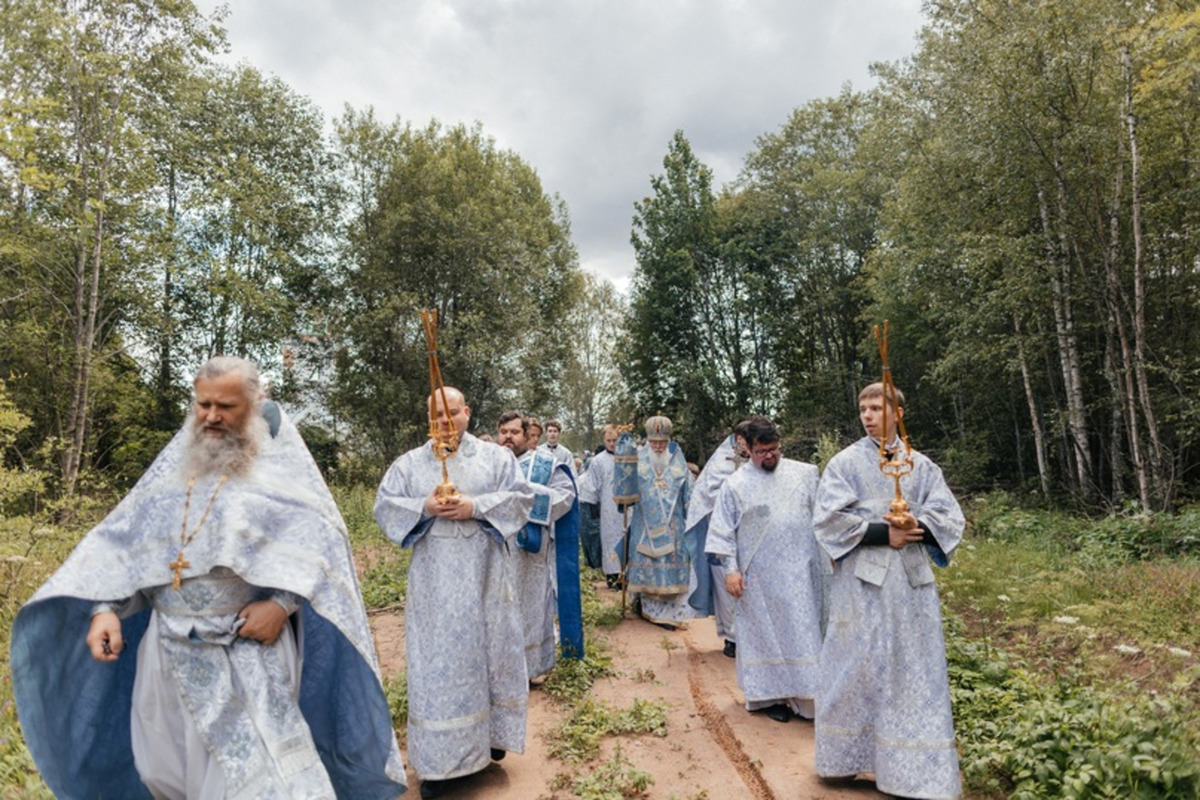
(457,225)
(591,385)
(1035,233)
(691,349)
(77,175)
(817,186)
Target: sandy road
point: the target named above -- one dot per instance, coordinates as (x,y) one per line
(715,750)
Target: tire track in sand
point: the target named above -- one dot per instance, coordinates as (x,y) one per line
(714,722)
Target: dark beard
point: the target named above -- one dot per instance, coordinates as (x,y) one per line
(232,454)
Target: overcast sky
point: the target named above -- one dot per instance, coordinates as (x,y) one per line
(588,92)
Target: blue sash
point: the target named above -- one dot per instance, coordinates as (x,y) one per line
(694,540)
(537,469)
(570,602)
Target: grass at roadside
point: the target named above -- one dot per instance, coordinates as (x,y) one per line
(1073,649)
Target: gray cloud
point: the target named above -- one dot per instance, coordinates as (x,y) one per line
(588,92)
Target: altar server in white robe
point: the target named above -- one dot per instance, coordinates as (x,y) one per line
(467,685)
(884,702)
(761,529)
(711,597)
(561,453)
(536,555)
(596,496)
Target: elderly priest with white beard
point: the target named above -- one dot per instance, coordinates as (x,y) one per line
(227,648)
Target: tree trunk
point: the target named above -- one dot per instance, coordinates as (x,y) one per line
(1068,353)
(165,367)
(1139,293)
(1035,417)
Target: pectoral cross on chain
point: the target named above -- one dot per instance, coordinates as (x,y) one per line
(178,565)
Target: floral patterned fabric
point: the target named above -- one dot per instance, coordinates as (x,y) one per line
(596,487)
(468,688)
(710,596)
(884,699)
(277,529)
(536,573)
(659,569)
(763,523)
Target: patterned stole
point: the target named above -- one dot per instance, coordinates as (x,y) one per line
(537,470)
(658,505)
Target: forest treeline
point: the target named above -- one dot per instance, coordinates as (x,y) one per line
(1018,197)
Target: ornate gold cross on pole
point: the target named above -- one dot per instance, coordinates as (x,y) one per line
(445,439)
(888,463)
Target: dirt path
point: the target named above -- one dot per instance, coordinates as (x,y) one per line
(713,744)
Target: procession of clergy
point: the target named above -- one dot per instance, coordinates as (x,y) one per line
(226,573)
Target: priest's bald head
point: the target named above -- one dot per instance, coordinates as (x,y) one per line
(453,411)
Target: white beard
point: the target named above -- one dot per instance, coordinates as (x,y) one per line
(231,454)
(660,461)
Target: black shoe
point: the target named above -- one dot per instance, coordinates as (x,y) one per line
(778,712)
(666,626)
(433,788)
(611,580)
(730,648)
(498,754)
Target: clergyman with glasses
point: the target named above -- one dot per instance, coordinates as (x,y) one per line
(762,531)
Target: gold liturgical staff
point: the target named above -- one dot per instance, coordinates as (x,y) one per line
(445,442)
(889,465)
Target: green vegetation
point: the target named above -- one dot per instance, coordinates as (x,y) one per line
(578,740)
(572,678)
(383,566)
(395,689)
(614,779)
(1026,736)
(1074,666)
(596,612)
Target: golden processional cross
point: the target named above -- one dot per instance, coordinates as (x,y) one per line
(888,463)
(445,437)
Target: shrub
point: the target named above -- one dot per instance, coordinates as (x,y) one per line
(1029,740)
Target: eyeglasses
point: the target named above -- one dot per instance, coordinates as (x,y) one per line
(756,451)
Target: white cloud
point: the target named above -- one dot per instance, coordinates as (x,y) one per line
(586,91)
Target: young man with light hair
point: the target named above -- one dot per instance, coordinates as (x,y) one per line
(883,705)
